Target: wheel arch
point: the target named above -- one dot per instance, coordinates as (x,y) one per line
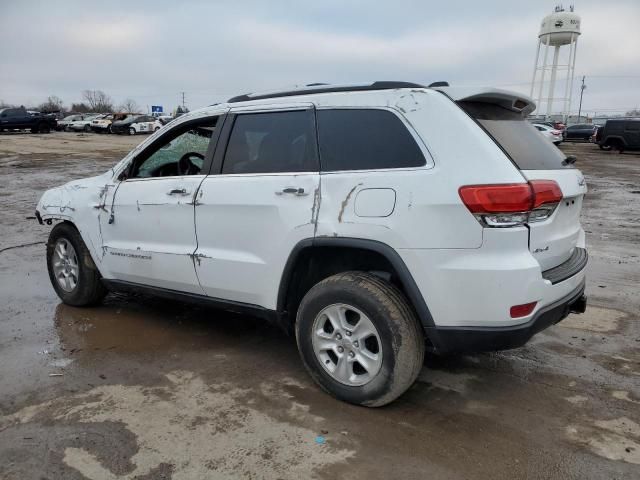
(300,273)
(616,139)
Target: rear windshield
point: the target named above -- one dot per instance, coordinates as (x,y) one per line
(528,149)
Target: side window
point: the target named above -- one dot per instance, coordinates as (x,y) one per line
(365,139)
(182,153)
(272,142)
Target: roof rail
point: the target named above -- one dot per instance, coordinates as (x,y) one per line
(313,88)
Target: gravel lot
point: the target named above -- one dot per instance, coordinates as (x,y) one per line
(150,389)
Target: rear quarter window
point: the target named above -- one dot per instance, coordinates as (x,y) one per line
(365,139)
(516,137)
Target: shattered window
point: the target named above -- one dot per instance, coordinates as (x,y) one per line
(181,155)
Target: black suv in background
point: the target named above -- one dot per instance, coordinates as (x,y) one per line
(581,131)
(21,119)
(619,134)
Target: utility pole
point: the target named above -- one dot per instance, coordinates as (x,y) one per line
(183,104)
(582,87)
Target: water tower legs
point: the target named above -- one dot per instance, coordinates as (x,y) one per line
(572,66)
(544,71)
(535,68)
(554,71)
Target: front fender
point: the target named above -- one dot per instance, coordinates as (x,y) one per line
(81,202)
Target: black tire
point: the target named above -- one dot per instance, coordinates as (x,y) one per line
(616,145)
(89,290)
(132,131)
(401,336)
(87,128)
(605,147)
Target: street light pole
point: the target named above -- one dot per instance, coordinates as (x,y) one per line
(582,87)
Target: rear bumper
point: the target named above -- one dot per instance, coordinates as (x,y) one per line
(482,339)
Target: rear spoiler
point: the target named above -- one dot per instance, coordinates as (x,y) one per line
(506,99)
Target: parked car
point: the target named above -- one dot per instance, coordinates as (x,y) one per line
(20,119)
(103,123)
(83,124)
(581,131)
(66,121)
(375,221)
(550,133)
(135,124)
(554,125)
(164,119)
(620,134)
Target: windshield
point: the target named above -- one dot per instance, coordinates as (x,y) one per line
(517,137)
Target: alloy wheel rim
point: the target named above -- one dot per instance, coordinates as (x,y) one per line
(65,265)
(347,344)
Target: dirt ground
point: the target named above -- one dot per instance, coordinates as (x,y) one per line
(141,388)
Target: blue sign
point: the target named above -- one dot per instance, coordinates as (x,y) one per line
(156,108)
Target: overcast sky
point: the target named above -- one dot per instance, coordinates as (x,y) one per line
(151,50)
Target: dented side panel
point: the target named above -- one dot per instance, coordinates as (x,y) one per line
(427,203)
(148,235)
(80,202)
(247,226)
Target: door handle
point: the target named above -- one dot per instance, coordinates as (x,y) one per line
(298,192)
(178,191)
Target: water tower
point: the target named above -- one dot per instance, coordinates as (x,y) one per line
(557,30)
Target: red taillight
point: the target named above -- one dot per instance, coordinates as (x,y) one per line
(503,198)
(522,310)
(510,204)
(545,191)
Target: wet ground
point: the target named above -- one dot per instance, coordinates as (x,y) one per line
(149,389)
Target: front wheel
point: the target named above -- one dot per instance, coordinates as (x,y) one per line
(359,338)
(132,131)
(72,272)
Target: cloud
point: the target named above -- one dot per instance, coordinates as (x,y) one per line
(151,51)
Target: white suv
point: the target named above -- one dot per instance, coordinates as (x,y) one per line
(375,221)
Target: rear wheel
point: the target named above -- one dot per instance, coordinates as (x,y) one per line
(132,131)
(616,145)
(72,272)
(359,339)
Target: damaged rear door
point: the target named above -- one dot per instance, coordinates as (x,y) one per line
(148,229)
(260,201)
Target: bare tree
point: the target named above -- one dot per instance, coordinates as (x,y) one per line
(129,106)
(98,101)
(80,108)
(53,104)
(3,104)
(633,113)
